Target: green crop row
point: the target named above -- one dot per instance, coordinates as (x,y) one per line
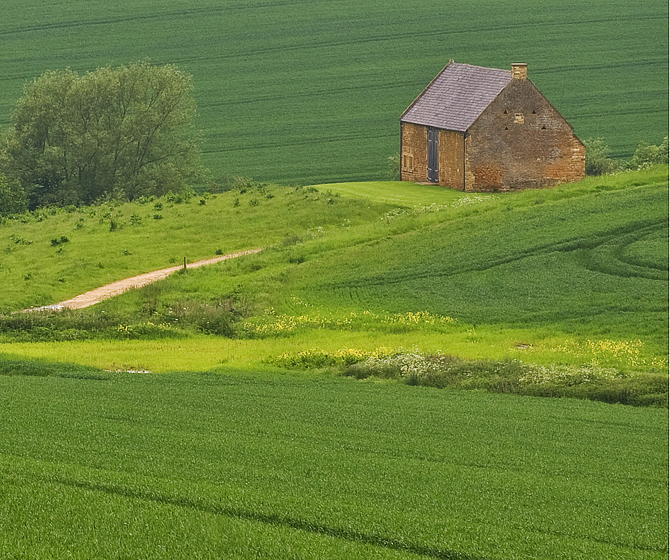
(101,464)
(312,91)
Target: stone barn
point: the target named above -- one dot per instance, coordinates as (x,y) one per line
(483,129)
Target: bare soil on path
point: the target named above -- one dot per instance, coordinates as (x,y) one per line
(120,286)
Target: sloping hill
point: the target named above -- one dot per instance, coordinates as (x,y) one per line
(578,273)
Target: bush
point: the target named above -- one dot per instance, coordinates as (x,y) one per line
(393,168)
(648,154)
(59,240)
(597,160)
(218,317)
(506,376)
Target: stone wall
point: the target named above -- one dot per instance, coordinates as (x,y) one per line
(520,141)
(414,153)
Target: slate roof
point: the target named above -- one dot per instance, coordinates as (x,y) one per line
(457,96)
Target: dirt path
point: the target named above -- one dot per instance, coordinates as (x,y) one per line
(116,288)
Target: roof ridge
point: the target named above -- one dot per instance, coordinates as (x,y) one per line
(477,66)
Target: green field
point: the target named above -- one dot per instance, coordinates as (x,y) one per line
(573,275)
(250,409)
(248,443)
(312,91)
(102,465)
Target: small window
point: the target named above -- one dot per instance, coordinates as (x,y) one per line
(505,112)
(518,118)
(544,127)
(534,113)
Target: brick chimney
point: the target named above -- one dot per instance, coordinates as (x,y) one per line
(519,70)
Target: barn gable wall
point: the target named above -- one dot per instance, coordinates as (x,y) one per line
(520,141)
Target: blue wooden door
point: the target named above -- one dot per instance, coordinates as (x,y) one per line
(433,151)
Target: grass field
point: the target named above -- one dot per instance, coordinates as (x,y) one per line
(573,275)
(102,465)
(305,91)
(111,242)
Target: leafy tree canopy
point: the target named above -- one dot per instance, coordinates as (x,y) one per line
(121,132)
(12,197)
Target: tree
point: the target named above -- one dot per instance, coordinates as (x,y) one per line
(12,198)
(123,132)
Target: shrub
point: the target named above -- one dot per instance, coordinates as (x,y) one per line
(649,154)
(506,376)
(181,197)
(290,240)
(393,167)
(59,240)
(597,160)
(218,317)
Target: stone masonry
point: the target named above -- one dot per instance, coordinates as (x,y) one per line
(513,139)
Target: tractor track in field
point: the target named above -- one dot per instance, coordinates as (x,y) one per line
(115,288)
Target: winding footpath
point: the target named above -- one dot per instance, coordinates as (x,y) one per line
(120,286)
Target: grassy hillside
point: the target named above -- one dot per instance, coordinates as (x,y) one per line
(575,275)
(110,242)
(102,465)
(307,91)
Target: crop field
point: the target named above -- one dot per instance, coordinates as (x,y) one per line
(311,91)
(96,464)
